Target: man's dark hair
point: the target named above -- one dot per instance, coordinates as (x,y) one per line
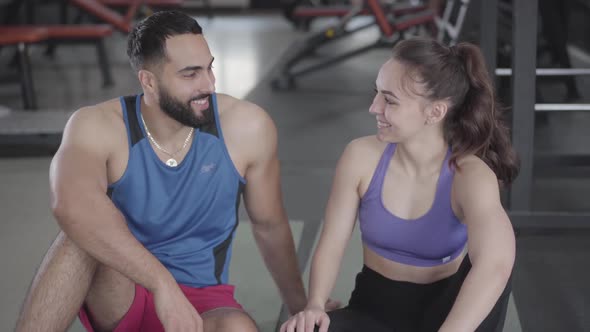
(146,44)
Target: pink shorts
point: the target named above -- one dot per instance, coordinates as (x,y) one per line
(141,316)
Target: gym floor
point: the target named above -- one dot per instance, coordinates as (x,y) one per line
(315,122)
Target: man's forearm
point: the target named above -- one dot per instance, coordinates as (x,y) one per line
(105,236)
(275,242)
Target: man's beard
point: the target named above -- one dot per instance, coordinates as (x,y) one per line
(183,112)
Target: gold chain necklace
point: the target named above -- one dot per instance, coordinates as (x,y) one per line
(172,162)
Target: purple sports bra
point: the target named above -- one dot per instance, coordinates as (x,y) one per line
(433,239)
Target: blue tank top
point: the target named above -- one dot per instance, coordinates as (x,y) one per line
(435,238)
(185,216)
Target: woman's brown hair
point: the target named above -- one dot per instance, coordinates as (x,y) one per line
(474,123)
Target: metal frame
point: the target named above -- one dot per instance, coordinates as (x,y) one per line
(488,32)
(524,57)
(26,76)
(104,64)
(562,107)
(524,107)
(26,79)
(444,25)
(546,220)
(102,56)
(548,71)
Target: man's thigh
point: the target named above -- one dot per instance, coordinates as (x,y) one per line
(115,303)
(228,320)
(109,299)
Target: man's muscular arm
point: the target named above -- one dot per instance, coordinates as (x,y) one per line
(78,182)
(254,135)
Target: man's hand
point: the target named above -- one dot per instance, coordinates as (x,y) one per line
(175,311)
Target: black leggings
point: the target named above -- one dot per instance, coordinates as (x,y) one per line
(381,304)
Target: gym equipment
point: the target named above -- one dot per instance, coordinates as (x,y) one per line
(23,130)
(392,29)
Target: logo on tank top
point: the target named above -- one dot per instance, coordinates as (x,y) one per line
(208,168)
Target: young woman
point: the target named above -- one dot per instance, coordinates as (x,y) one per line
(438,246)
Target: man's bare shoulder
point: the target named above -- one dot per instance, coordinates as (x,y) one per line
(249,132)
(101,123)
(102,115)
(226,102)
(243,117)
(235,109)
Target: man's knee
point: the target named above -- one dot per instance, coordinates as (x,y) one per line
(64,249)
(229,321)
(58,288)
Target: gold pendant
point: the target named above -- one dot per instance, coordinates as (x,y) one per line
(172,162)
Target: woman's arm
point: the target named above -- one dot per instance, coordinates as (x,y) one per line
(491,245)
(340,218)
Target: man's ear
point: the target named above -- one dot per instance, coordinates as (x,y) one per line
(148,81)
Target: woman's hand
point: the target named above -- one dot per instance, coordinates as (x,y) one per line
(306,320)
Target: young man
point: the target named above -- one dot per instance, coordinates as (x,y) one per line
(146,190)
